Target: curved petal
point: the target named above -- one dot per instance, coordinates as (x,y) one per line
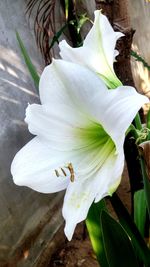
(79,196)
(34,166)
(78,199)
(62,111)
(110,174)
(60,85)
(119,109)
(62,133)
(113,109)
(98,51)
(53,127)
(108,36)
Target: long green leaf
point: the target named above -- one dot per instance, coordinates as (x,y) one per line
(126,221)
(28,62)
(57,35)
(148,119)
(140,210)
(146,184)
(118,246)
(95,233)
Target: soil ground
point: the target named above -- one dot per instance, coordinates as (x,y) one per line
(76,253)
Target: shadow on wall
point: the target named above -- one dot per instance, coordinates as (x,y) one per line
(139,16)
(21,210)
(141,74)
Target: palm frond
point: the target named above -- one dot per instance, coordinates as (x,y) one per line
(44,24)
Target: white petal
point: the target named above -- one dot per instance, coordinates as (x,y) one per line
(108,36)
(62,131)
(113,109)
(34,166)
(62,111)
(121,106)
(98,50)
(79,196)
(63,84)
(110,175)
(77,201)
(52,126)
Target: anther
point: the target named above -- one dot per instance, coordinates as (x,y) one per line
(70,168)
(57,173)
(63,172)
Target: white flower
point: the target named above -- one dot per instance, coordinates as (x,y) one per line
(98,51)
(80,130)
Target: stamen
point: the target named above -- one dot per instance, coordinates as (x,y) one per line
(71,170)
(63,172)
(57,173)
(72,176)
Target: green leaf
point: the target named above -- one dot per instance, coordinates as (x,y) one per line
(81,21)
(140,210)
(117,244)
(146,184)
(138,122)
(57,36)
(140,59)
(28,62)
(148,119)
(126,221)
(95,233)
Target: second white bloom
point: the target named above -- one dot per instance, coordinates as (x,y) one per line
(98,51)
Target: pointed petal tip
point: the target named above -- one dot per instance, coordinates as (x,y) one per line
(53,63)
(62,43)
(97,12)
(69,230)
(119,35)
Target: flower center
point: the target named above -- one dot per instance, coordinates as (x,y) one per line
(94,147)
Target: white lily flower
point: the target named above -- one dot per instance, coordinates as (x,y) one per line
(98,51)
(80,130)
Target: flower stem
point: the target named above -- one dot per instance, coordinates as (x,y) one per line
(138,123)
(146,184)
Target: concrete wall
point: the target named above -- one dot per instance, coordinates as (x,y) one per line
(139,16)
(21,210)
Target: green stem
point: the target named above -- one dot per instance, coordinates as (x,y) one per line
(133,131)
(138,123)
(146,184)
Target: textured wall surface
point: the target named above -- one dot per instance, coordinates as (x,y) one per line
(21,210)
(139,16)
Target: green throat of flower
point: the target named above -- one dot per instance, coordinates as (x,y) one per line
(111,81)
(97,145)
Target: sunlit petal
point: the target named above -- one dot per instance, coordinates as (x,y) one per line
(98,51)
(34,166)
